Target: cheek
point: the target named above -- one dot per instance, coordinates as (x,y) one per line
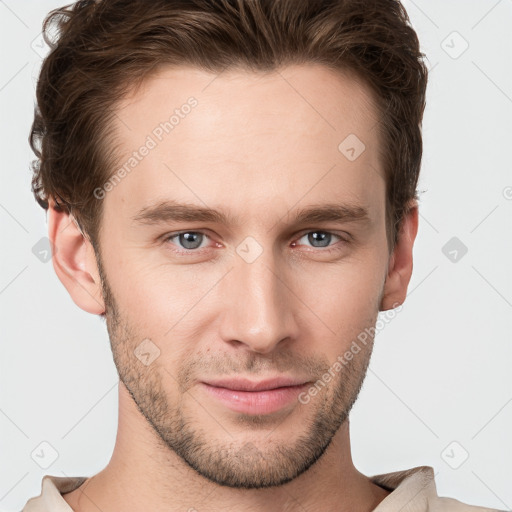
(344,299)
(165,299)
(166,303)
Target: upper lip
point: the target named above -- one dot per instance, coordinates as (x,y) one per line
(240,384)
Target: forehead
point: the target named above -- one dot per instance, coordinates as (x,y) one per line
(244,139)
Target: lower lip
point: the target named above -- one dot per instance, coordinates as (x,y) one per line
(255,402)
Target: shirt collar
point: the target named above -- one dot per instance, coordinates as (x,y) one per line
(409,488)
(412,489)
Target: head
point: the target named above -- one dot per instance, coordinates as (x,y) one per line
(232,185)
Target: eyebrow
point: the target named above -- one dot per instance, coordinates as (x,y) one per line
(172,211)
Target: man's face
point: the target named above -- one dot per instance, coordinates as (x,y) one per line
(259,295)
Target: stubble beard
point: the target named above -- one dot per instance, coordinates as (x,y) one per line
(235,463)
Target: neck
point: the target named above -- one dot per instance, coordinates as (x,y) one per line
(145,474)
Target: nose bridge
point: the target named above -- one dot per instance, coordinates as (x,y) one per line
(259,306)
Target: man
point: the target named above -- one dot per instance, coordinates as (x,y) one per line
(231,184)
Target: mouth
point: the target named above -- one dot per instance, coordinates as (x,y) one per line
(256,397)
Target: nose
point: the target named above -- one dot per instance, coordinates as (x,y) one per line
(259,306)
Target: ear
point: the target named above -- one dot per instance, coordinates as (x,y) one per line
(74,261)
(400,263)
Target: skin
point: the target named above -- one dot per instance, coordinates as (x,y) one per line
(259,147)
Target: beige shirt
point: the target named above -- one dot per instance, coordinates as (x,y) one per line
(413,490)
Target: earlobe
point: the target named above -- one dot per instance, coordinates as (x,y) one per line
(401,262)
(74,261)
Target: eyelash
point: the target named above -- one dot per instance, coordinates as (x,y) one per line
(328,249)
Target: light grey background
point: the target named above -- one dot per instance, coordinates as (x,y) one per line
(439,385)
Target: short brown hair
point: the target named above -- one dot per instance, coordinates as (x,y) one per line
(105,48)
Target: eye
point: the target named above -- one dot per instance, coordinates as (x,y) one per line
(193,241)
(320,239)
(188,240)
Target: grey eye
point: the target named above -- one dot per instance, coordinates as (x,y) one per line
(319,238)
(189,239)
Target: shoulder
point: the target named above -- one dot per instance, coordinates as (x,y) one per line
(415,490)
(453,505)
(50,499)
